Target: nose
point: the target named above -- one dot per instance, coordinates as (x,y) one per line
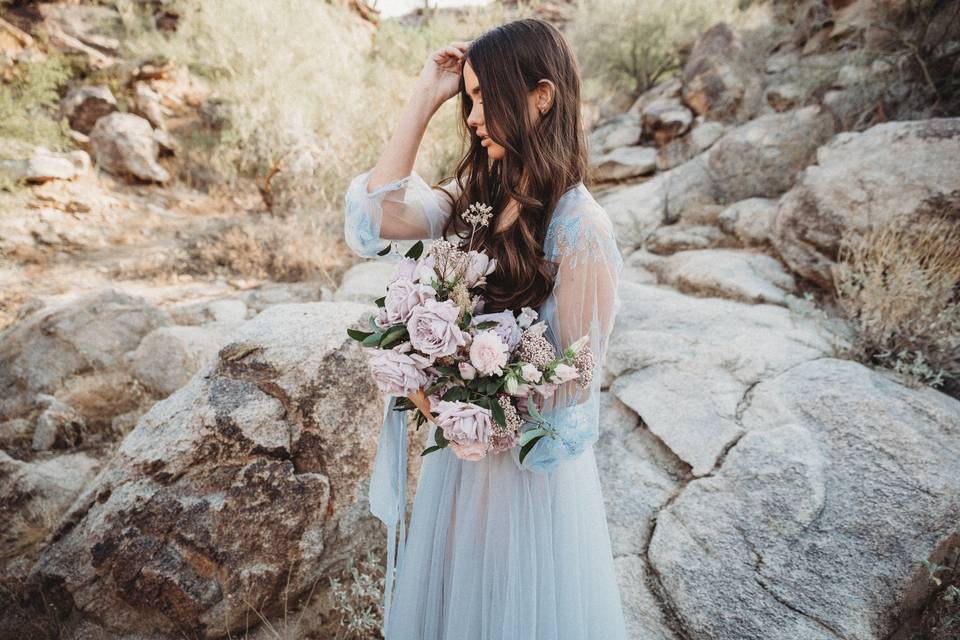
(475,117)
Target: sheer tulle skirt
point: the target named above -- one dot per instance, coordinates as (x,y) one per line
(496,552)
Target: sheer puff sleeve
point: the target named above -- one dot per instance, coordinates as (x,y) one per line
(585,301)
(404,209)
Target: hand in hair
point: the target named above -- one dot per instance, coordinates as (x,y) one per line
(441,73)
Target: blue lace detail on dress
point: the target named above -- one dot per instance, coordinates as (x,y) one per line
(581,232)
(361,225)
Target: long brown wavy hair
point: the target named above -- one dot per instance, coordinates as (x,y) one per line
(541,161)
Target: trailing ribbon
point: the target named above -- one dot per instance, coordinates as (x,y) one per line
(388,497)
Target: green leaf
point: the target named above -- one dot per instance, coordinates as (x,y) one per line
(525,449)
(430,450)
(526,436)
(498,413)
(385,250)
(532,408)
(381,301)
(440,438)
(393,334)
(487,324)
(372,340)
(358,335)
(415,251)
(373,325)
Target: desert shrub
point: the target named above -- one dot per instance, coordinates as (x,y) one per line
(307,94)
(29,105)
(941,617)
(630,45)
(899,285)
(358,600)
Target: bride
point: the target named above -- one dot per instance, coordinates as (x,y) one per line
(499,550)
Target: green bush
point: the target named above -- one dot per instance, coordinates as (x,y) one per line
(29,106)
(630,45)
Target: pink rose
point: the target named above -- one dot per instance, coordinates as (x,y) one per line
(472,451)
(433,328)
(403,295)
(503,441)
(488,353)
(396,373)
(405,268)
(465,424)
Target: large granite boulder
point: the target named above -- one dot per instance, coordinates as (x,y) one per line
(763,157)
(860,180)
(815,522)
(125,144)
(248,485)
(719,81)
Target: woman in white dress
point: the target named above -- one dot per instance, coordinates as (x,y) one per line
(499,550)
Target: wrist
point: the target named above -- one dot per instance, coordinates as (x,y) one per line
(425,97)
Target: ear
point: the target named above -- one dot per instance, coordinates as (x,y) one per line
(546,92)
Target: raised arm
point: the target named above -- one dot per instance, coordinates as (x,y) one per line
(391,201)
(585,302)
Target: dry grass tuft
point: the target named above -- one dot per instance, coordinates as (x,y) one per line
(899,284)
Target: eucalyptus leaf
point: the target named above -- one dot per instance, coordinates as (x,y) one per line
(372,340)
(528,435)
(356,334)
(381,301)
(393,334)
(525,449)
(415,251)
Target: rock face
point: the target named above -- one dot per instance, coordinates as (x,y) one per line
(35,494)
(255,469)
(815,524)
(74,351)
(667,344)
(892,170)
(86,104)
(44,165)
(762,158)
(717,81)
(124,144)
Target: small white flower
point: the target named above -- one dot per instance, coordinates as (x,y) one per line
(512,384)
(526,317)
(565,373)
(467,370)
(530,373)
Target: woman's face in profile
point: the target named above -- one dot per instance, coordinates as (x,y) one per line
(475,118)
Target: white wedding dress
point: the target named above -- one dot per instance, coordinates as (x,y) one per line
(497,550)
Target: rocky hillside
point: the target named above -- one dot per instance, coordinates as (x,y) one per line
(188,456)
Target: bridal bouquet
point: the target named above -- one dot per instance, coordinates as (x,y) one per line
(478,376)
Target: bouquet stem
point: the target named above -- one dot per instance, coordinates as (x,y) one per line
(419,398)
